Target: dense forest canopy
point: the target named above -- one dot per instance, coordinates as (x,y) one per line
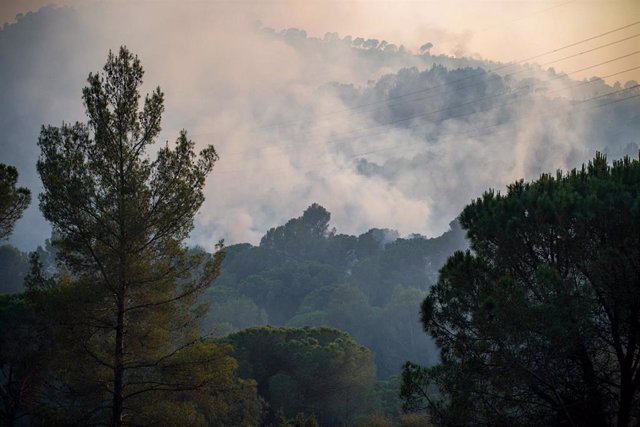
(305,274)
(318,371)
(539,323)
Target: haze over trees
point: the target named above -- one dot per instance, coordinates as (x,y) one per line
(519,120)
(13,201)
(14,266)
(530,299)
(539,324)
(304,273)
(114,326)
(117,296)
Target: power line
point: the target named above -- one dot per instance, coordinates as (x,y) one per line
(494,95)
(485,98)
(502,105)
(496,76)
(615,30)
(458,116)
(501,124)
(360,106)
(505,93)
(553,114)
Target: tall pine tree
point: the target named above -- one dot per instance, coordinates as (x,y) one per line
(540,324)
(126,305)
(13,201)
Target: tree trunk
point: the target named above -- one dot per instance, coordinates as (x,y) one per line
(626,398)
(118,378)
(594,399)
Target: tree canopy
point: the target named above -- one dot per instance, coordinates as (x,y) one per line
(14,266)
(25,350)
(318,371)
(13,201)
(124,302)
(369,285)
(539,324)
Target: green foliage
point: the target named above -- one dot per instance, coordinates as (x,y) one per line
(123,304)
(417,390)
(282,288)
(375,420)
(318,371)
(414,420)
(540,324)
(13,201)
(25,347)
(387,401)
(300,420)
(370,285)
(300,237)
(14,266)
(227,305)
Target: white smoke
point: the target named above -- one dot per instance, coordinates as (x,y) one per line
(282,109)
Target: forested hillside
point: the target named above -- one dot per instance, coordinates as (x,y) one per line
(304,273)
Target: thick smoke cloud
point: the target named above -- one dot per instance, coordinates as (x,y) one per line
(285,112)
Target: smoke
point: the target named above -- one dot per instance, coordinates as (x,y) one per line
(285,112)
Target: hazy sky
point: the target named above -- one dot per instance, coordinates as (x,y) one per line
(228,82)
(507,30)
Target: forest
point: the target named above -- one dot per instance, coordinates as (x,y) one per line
(525,312)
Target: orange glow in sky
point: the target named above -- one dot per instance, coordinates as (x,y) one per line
(506,30)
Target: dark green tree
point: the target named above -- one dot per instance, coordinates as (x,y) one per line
(281,289)
(317,371)
(125,299)
(14,266)
(25,347)
(13,201)
(369,285)
(540,323)
(302,237)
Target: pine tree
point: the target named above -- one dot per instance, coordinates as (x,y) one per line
(540,324)
(13,201)
(126,302)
